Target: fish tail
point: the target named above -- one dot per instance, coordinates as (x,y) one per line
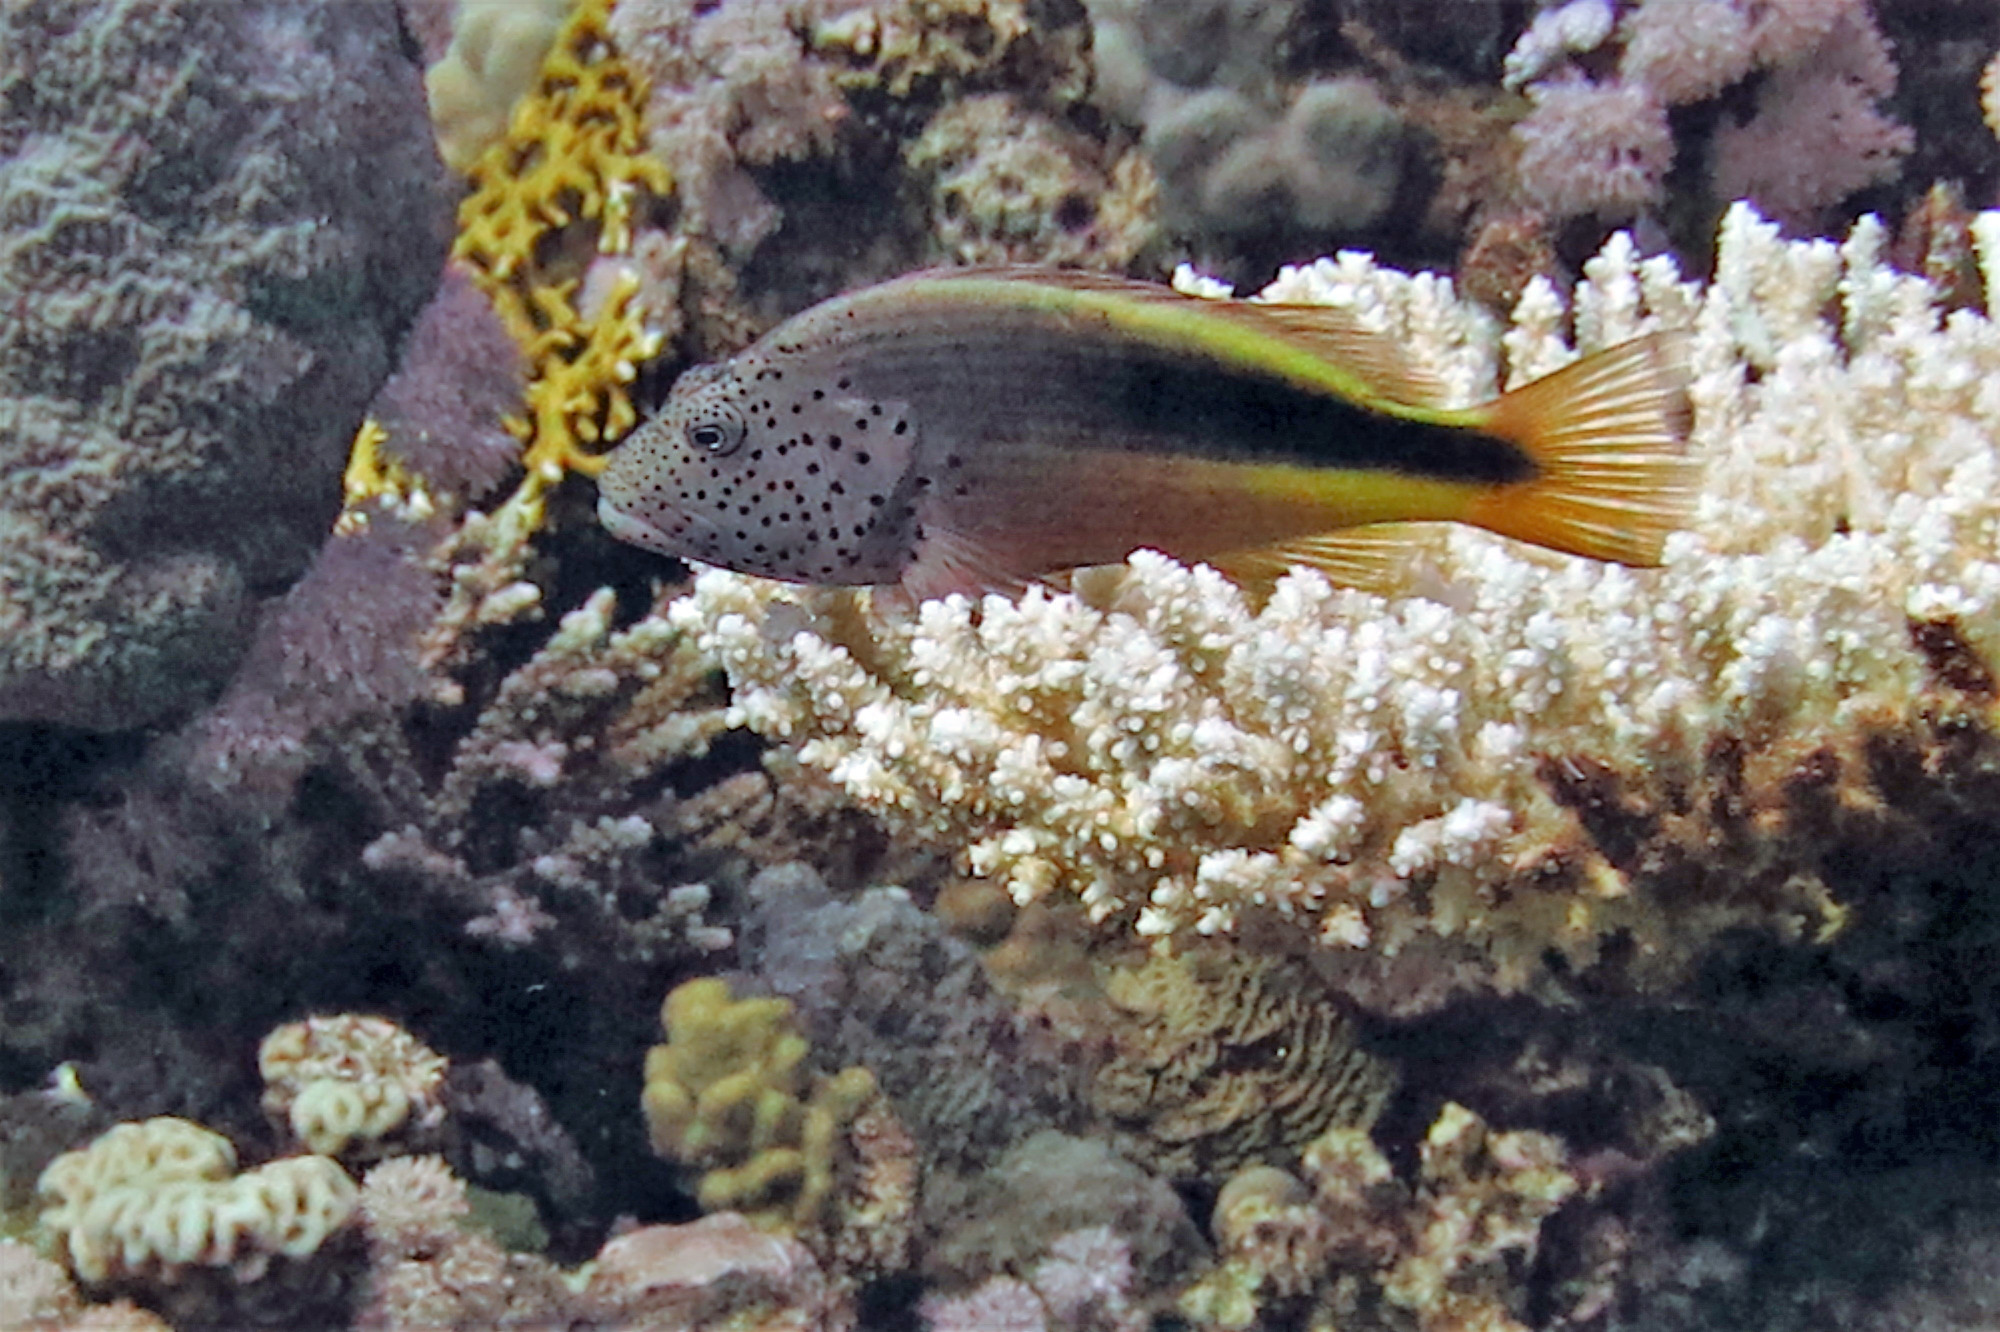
(1608,435)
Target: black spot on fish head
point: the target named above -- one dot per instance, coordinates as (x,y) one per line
(670,486)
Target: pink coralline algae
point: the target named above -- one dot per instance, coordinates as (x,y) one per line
(1594,148)
(1817,135)
(1600,142)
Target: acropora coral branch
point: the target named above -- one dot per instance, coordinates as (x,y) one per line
(1537,751)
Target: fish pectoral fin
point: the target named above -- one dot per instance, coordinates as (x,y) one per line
(1369,559)
(948,562)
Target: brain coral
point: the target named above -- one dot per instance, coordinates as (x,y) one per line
(1223,1060)
(156,1197)
(214,221)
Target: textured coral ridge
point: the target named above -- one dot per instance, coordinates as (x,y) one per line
(215,221)
(1540,751)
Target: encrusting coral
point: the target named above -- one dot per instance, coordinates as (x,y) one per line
(728,1094)
(1447,1252)
(215,223)
(1538,753)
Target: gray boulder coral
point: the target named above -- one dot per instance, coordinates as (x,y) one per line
(215,223)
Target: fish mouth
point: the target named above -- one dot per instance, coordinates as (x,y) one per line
(631,530)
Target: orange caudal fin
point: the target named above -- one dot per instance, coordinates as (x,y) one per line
(1609,434)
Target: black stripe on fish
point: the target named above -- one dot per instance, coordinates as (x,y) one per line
(1228,414)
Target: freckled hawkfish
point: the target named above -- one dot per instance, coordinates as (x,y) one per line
(964,430)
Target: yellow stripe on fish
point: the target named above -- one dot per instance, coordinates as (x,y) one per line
(975,429)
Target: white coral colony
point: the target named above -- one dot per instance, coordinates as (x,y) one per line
(1388,772)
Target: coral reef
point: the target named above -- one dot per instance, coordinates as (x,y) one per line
(1445,1251)
(219,220)
(1540,753)
(1222,1060)
(1665,894)
(876,982)
(728,1094)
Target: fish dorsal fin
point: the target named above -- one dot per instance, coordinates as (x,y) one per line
(1369,559)
(1374,360)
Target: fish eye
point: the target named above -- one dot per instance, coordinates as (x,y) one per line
(716,436)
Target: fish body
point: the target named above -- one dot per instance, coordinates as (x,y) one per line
(974,429)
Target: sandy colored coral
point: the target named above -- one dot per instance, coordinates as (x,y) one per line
(1448,1252)
(343,1077)
(1012,185)
(38,1296)
(1220,1060)
(152,1199)
(729,1095)
(496,53)
(1528,752)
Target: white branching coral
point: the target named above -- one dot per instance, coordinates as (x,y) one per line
(1539,750)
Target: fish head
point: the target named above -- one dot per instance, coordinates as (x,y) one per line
(656,492)
(768,468)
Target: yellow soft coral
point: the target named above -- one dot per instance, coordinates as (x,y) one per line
(574,151)
(728,1093)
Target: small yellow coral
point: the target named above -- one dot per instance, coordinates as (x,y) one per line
(575,148)
(578,398)
(728,1093)
(374,479)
